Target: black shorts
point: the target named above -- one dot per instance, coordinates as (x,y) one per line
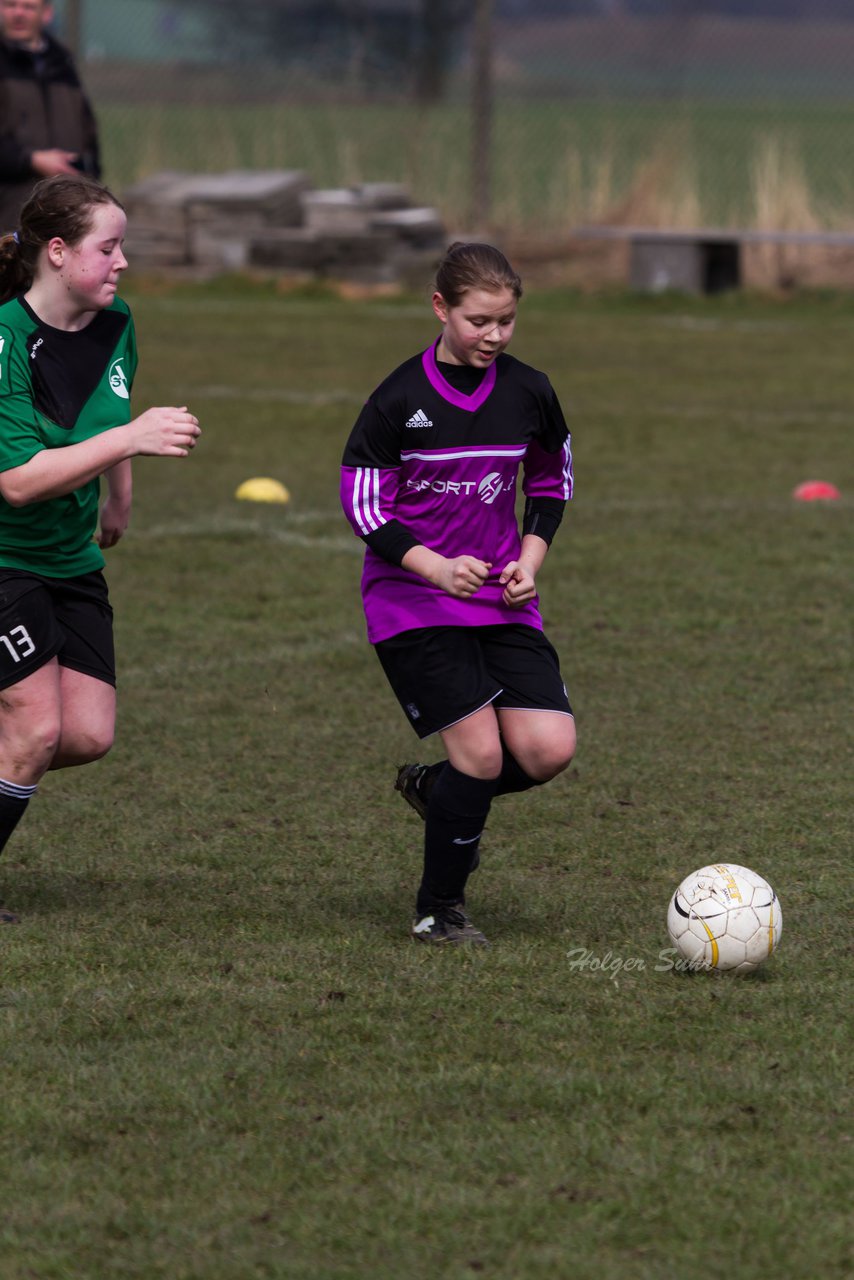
(441,675)
(65,618)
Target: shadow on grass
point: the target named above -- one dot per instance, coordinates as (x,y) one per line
(46,892)
(192,900)
(391,910)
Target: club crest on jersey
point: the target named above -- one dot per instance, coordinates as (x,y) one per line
(490,487)
(118,380)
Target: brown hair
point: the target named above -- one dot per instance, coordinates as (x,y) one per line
(60,206)
(475,266)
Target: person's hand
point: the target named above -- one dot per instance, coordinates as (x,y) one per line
(462,576)
(48,163)
(518,583)
(115,517)
(165,432)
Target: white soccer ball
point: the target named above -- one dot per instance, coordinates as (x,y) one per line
(724,917)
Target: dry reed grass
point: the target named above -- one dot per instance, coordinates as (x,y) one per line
(664,193)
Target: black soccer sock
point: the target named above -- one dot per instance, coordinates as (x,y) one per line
(13,805)
(456,815)
(513,777)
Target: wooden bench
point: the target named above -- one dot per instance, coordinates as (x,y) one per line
(702,260)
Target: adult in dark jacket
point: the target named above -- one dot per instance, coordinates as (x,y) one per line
(46,123)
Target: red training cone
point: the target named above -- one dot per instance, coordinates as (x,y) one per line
(816,490)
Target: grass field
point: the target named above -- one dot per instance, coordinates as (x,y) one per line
(224,1059)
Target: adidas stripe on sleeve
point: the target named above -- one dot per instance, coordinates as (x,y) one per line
(369,492)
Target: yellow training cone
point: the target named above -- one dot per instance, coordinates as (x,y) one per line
(262,489)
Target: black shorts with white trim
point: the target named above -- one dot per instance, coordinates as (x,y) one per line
(441,675)
(70,619)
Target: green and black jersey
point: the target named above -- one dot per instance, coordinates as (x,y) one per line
(59,388)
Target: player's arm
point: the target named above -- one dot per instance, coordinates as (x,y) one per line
(51,473)
(368,496)
(370,477)
(519,577)
(115,510)
(459,576)
(547,485)
(370,480)
(548,481)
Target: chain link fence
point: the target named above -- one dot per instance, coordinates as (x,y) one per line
(530,116)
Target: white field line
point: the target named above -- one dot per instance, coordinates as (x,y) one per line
(284,308)
(738,413)
(587,409)
(713,324)
(288,652)
(699,504)
(702,504)
(277,394)
(227,526)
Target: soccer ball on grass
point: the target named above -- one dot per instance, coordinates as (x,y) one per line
(724,917)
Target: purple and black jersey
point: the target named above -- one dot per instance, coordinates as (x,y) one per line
(427,464)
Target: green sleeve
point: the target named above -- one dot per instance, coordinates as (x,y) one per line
(20,437)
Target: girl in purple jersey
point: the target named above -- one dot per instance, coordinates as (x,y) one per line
(449,583)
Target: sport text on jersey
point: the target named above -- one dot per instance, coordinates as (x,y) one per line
(487,488)
(474,471)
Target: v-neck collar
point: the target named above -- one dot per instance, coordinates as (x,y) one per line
(458,399)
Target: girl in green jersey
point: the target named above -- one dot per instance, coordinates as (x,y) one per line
(67,360)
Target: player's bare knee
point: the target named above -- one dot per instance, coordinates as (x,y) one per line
(545,770)
(493,770)
(32,749)
(561,764)
(98,749)
(44,739)
(565,757)
(83,747)
(94,745)
(479,760)
(549,759)
(483,764)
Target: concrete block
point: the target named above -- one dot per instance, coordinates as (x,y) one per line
(169,198)
(686,263)
(335,210)
(422,227)
(382,195)
(286,249)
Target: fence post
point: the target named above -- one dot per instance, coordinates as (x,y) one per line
(74,28)
(482,112)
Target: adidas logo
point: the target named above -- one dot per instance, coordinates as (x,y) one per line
(419,419)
